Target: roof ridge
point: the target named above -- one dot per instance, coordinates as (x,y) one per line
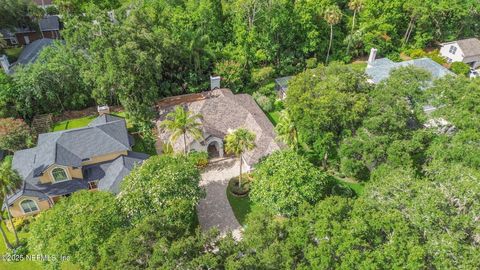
(110,135)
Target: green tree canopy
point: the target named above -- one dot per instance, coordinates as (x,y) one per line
(285,180)
(163,185)
(76,227)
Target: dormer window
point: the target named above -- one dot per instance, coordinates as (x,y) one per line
(59,174)
(453,49)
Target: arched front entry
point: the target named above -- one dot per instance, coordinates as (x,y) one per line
(214,150)
(214,147)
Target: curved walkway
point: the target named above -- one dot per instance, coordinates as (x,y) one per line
(214,210)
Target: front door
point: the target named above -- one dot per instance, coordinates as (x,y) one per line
(27,39)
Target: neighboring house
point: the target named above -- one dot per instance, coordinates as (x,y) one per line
(96,157)
(49,28)
(379,69)
(281,86)
(222,112)
(465,50)
(28,55)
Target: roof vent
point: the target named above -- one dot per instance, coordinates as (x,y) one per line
(215,82)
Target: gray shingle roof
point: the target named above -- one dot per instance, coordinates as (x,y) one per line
(223,112)
(50,23)
(31,51)
(70,148)
(470,46)
(381,68)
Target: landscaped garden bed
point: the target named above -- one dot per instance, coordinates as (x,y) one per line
(239,190)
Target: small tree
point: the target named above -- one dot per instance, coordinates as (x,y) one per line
(14,134)
(181,122)
(9,182)
(237,143)
(332,15)
(356,6)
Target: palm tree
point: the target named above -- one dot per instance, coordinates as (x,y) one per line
(4,235)
(356,6)
(181,122)
(239,142)
(9,181)
(287,131)
(332,15)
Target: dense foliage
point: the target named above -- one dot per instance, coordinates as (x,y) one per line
(285,180)
(15,134)
(76,227)
(131,52)
(163,185)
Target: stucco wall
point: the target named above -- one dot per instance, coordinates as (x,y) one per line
(77,172)
(17,211)
(445,52)
(104,158)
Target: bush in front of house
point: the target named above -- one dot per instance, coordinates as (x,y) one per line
(460,68)
(200,159)
(20,223)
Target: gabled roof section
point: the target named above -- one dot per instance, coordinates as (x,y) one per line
(103,119)
(31,51)
(380,69)
(470,46)
(71,147)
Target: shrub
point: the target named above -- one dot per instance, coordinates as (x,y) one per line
(279,105)
(460,68)
(52,10)
(19,252)
(417,53)
(311,62)
(263,101)
(261,75)
(242,190)
(15,134)
(19,223)
(200,159)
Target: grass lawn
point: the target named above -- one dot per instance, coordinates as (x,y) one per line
(241,206)
(13,53)
(274,117)
(357,187)
(73,123)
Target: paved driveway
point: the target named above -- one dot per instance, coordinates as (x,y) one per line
(215,210)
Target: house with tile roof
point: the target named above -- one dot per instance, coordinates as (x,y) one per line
(222,112)
(96,157)
(465,50)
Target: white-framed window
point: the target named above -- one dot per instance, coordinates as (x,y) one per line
(93,184)
(452,49)
(59,174)
(14,41)
(29,206)
(449,60)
